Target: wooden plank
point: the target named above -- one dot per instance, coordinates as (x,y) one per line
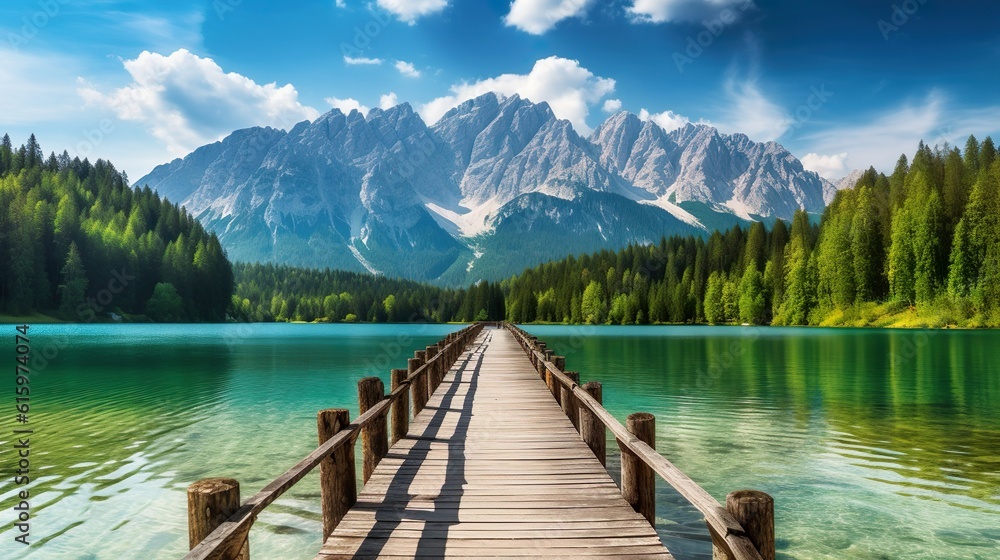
(491,467)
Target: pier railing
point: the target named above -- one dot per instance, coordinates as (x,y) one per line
(219,525)
(742,530)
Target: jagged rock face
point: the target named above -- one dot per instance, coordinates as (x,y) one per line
(848,182)
(696,163)
(385,192)
(505,148)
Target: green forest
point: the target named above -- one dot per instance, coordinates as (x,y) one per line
(77,243)
(918,247)
(267,292)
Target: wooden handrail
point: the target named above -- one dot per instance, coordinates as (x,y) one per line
(226,540)
(727,532)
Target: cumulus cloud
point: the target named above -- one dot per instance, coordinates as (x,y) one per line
(829,167)
(388,101)
(569,89)
(187,101)
(661,11)
(538,16)
(412,10)
(407,69)
(347,105)
(354,61)
(612,106)
(668,120)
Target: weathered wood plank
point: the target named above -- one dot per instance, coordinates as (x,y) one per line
(491,467)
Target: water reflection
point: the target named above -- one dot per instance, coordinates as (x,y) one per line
(127,416)
(859,434)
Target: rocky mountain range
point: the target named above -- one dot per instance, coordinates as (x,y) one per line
(496,185)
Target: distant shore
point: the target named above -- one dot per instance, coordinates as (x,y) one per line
(908,319)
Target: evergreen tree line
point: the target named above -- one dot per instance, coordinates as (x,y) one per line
(268,292)
(924,240)
(78,242)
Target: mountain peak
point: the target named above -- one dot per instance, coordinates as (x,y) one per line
(496,175)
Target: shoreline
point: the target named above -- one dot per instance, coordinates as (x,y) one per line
(42,319)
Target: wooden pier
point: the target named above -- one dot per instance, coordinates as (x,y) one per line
(504,457)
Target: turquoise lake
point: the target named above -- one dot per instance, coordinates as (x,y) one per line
(874,443)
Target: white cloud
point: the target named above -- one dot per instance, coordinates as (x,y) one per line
(407,69)
(747,110)
(829,167)
(187,101)
(411,10)
(569,89)
(880,139)
(361,60)
(388,101)
(612,106)
(538,16)
(750,112)
(347,105)
(660,11)
(158,32)
(341,3)
(668,120)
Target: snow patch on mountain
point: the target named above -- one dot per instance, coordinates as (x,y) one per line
(678,212)
(469,219)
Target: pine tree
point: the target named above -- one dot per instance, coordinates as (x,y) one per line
(867,251)
(592,306)
(800,275)
(714,311)
(926,238)
(955,193)
(33,153)
(74,286)
(987,154)
(6,155)
(971,157)
(752,296)
(755,252)
(901,259)
(897,190)
(835,261)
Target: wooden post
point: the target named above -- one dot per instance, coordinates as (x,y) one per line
(592,430)
(560,363)
(337,479)
(417,391)
(400,407)
(638,482)
(374,436)
(210,502)
(432,376)
(569,406)
(755,511)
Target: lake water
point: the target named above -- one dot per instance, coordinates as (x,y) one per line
(875,444)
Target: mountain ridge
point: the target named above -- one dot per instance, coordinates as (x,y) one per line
(386,193)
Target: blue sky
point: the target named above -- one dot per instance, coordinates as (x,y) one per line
(843,85)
